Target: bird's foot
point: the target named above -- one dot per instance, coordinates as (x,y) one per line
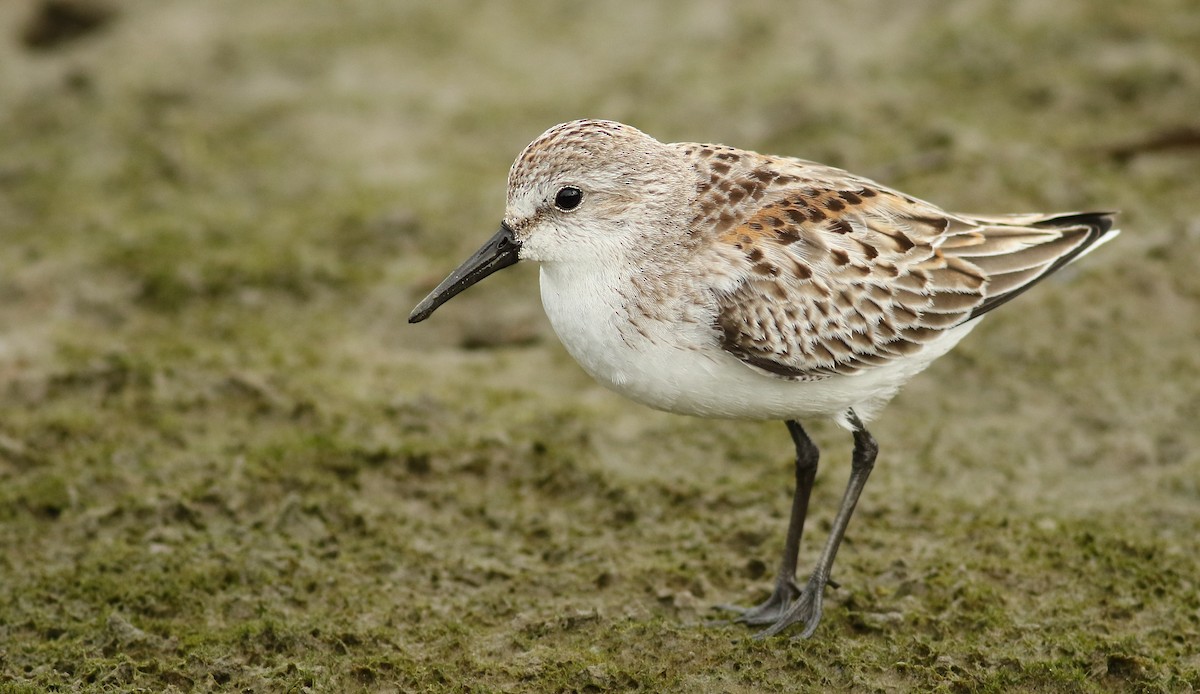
(767,612)
(788,605)
(805,609)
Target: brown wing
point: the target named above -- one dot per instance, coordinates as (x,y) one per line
(836,274)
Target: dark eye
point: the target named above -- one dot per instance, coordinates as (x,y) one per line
(568,198)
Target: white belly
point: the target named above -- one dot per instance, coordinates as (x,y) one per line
(681,368)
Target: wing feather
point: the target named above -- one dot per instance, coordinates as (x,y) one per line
(835,274)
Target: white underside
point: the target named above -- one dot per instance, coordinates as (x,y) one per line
(680,367)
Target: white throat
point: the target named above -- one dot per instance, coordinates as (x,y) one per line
(587,309)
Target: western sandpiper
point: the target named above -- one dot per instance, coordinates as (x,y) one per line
(717,282)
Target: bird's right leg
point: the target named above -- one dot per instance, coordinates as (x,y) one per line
(786,590)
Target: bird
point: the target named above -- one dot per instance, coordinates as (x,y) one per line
(711,281)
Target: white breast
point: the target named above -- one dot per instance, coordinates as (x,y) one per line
(680,367)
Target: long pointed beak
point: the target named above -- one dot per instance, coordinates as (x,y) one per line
(498,253)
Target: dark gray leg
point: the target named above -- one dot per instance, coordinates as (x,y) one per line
(806,607)
(786,590)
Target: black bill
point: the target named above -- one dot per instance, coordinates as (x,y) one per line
(498,253)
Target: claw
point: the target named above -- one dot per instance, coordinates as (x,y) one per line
(769,611)
(787,605)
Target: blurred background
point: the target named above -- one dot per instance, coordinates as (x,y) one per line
(226,461)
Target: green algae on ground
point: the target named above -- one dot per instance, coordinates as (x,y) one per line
(227,463)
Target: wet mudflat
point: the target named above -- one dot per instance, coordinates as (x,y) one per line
(226,461)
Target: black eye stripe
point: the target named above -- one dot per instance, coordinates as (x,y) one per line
(568,198)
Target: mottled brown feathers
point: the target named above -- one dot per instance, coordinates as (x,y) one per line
(840,275)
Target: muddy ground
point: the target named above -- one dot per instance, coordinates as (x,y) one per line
(227,463)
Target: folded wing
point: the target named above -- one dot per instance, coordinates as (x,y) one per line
(836,274)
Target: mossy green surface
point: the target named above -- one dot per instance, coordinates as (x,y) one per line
(227,463)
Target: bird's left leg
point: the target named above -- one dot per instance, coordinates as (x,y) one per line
(786,590)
